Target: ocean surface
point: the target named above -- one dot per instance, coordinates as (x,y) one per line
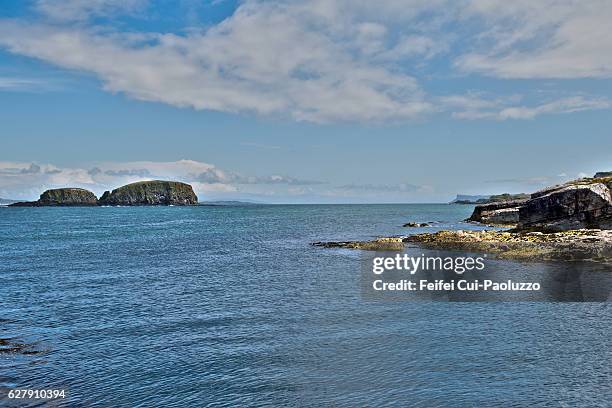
(231,306)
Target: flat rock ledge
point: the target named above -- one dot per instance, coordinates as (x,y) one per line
(378,244)
(583,244)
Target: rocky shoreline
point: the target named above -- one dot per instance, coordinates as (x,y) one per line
(585,244)
(572,221)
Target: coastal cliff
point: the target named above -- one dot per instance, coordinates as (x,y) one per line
(62,197)
(584,203)
(155,192)
(578,204)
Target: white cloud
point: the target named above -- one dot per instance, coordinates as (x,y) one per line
(474,107)
(328,61)
(541,39)
(265,58)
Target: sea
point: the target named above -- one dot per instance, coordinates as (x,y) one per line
(231,306)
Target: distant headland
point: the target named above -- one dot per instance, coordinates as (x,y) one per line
(142,193)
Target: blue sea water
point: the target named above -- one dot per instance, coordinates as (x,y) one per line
(230,306)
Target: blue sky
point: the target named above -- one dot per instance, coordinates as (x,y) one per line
(305,101)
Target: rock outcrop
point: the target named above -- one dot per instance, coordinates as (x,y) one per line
(578,204)
(498,213)
(62,197)
(584,203)
(416,224)
(602,174)
(378,244)
(155,192)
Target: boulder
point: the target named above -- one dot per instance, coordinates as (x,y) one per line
(155,192)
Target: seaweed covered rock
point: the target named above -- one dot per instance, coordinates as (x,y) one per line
(155,192)
(62,197)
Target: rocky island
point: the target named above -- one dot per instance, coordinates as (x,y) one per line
(65,197)
(570,221)
(155,192)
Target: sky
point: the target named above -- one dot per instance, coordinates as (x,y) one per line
(312,101)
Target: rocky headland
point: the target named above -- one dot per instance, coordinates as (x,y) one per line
(496,198)
(155,192)
(570,221)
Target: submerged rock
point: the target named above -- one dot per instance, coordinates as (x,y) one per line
(155,192)
(62,197)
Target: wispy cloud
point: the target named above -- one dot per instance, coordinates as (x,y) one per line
(79,10)
(18,84)
(260,145)
(471,108)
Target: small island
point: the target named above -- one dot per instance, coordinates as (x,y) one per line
(142,193)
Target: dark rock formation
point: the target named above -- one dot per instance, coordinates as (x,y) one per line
(603,174)
(155,192)
(584,203)
(62,197)
(498,213)
(416,224)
